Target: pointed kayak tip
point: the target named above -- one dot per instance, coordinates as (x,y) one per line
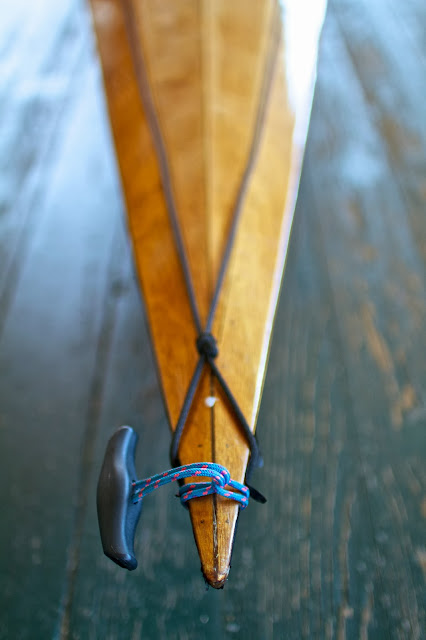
(213,523)
(214,578)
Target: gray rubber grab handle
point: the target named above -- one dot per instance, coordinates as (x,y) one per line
(117,515)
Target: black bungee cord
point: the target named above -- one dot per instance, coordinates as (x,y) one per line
(205,343)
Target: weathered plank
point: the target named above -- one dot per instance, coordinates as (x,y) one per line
(377,274)
(393,81)
(48,362)
(44,53)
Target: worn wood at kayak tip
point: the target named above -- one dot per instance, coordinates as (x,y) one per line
(216,73)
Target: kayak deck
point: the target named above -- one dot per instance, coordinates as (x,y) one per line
(205,69)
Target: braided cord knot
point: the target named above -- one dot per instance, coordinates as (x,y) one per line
(221,483)
(207,345)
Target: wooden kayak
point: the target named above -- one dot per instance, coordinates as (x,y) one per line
(209,105)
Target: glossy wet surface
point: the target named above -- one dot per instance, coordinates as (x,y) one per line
(338,550)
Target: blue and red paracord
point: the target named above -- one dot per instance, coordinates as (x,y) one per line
(221,483)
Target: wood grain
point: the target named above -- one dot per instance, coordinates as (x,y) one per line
(338,550)
(58,326)
(208,112)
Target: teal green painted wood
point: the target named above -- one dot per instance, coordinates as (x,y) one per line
(377,275)
(51,312)
(388,54)
(44,55)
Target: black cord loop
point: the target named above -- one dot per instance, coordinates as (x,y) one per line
(205,343)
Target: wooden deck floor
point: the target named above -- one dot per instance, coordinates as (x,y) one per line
(339,549)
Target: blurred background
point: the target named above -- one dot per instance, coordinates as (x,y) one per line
(339,549)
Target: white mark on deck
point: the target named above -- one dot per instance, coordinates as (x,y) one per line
(210,401)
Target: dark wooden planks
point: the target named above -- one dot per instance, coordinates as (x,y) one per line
(48,354)
(338,551)
(44,53)
(387,57)
(376,271)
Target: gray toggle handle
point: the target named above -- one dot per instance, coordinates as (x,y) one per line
(117,514)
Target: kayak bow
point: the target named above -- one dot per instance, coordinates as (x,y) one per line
(209,105)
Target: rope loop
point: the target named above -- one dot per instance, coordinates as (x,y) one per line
(221,483)
(207,345)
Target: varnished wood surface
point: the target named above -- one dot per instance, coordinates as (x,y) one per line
(213,79)
(338,551)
